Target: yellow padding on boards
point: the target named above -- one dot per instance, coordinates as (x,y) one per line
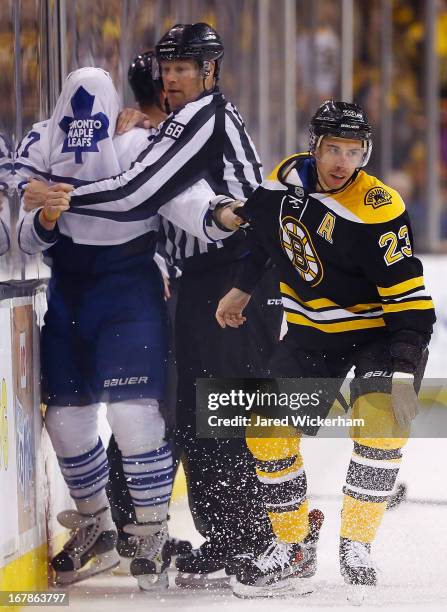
(27,573)
(361,520)
(179,490)
(380,429)
(291,526)
(276,442)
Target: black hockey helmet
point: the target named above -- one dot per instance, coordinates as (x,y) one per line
(144,79)
(343,120)
(196,41)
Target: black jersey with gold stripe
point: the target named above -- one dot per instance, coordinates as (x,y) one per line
(345,259)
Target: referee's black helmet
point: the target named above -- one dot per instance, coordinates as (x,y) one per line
(196,41)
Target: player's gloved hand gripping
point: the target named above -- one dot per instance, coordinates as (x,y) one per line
(230,308)
(404,398)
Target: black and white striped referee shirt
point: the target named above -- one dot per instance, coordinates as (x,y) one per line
(205,140)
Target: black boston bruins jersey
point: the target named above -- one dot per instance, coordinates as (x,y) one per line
(345,259)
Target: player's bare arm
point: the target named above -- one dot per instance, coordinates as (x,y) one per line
(230,308)
(37,192)
(55,204)
(130,118)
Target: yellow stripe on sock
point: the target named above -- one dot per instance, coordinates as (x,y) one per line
(291,526)
(361,520)
(274,448)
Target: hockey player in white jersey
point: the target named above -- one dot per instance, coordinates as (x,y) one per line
(104,337)
(204,138)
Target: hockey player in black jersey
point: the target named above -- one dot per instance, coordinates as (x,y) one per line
(354,295)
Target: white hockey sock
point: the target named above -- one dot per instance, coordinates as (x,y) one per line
(91,505)
(149,478)
(86,476)
(151,514)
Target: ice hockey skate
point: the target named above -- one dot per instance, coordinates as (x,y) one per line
(357,569)
(126,547)
(202,568)
(90,549)
(275,571)
(179,547)
(152,555)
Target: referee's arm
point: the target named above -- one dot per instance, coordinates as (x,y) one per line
(154,177)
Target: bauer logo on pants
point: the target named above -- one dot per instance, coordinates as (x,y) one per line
(130,380)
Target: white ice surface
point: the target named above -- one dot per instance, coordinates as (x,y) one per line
(410,551)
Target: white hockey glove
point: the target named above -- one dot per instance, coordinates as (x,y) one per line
(404,399)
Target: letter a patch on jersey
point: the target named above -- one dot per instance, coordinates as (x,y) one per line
(327,227)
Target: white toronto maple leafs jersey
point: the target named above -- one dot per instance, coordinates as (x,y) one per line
(78,145)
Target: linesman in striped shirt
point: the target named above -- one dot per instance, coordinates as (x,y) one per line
(354,296)
(203,140)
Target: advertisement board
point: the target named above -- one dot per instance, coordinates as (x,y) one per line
(9,528)
(23,391)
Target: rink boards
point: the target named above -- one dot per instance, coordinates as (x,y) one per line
(32,491)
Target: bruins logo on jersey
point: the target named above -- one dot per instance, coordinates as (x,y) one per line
(297,244)
(377,197)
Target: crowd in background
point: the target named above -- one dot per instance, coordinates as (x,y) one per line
(108,33)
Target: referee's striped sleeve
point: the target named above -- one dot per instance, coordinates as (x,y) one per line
(242,167)
(151,181)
